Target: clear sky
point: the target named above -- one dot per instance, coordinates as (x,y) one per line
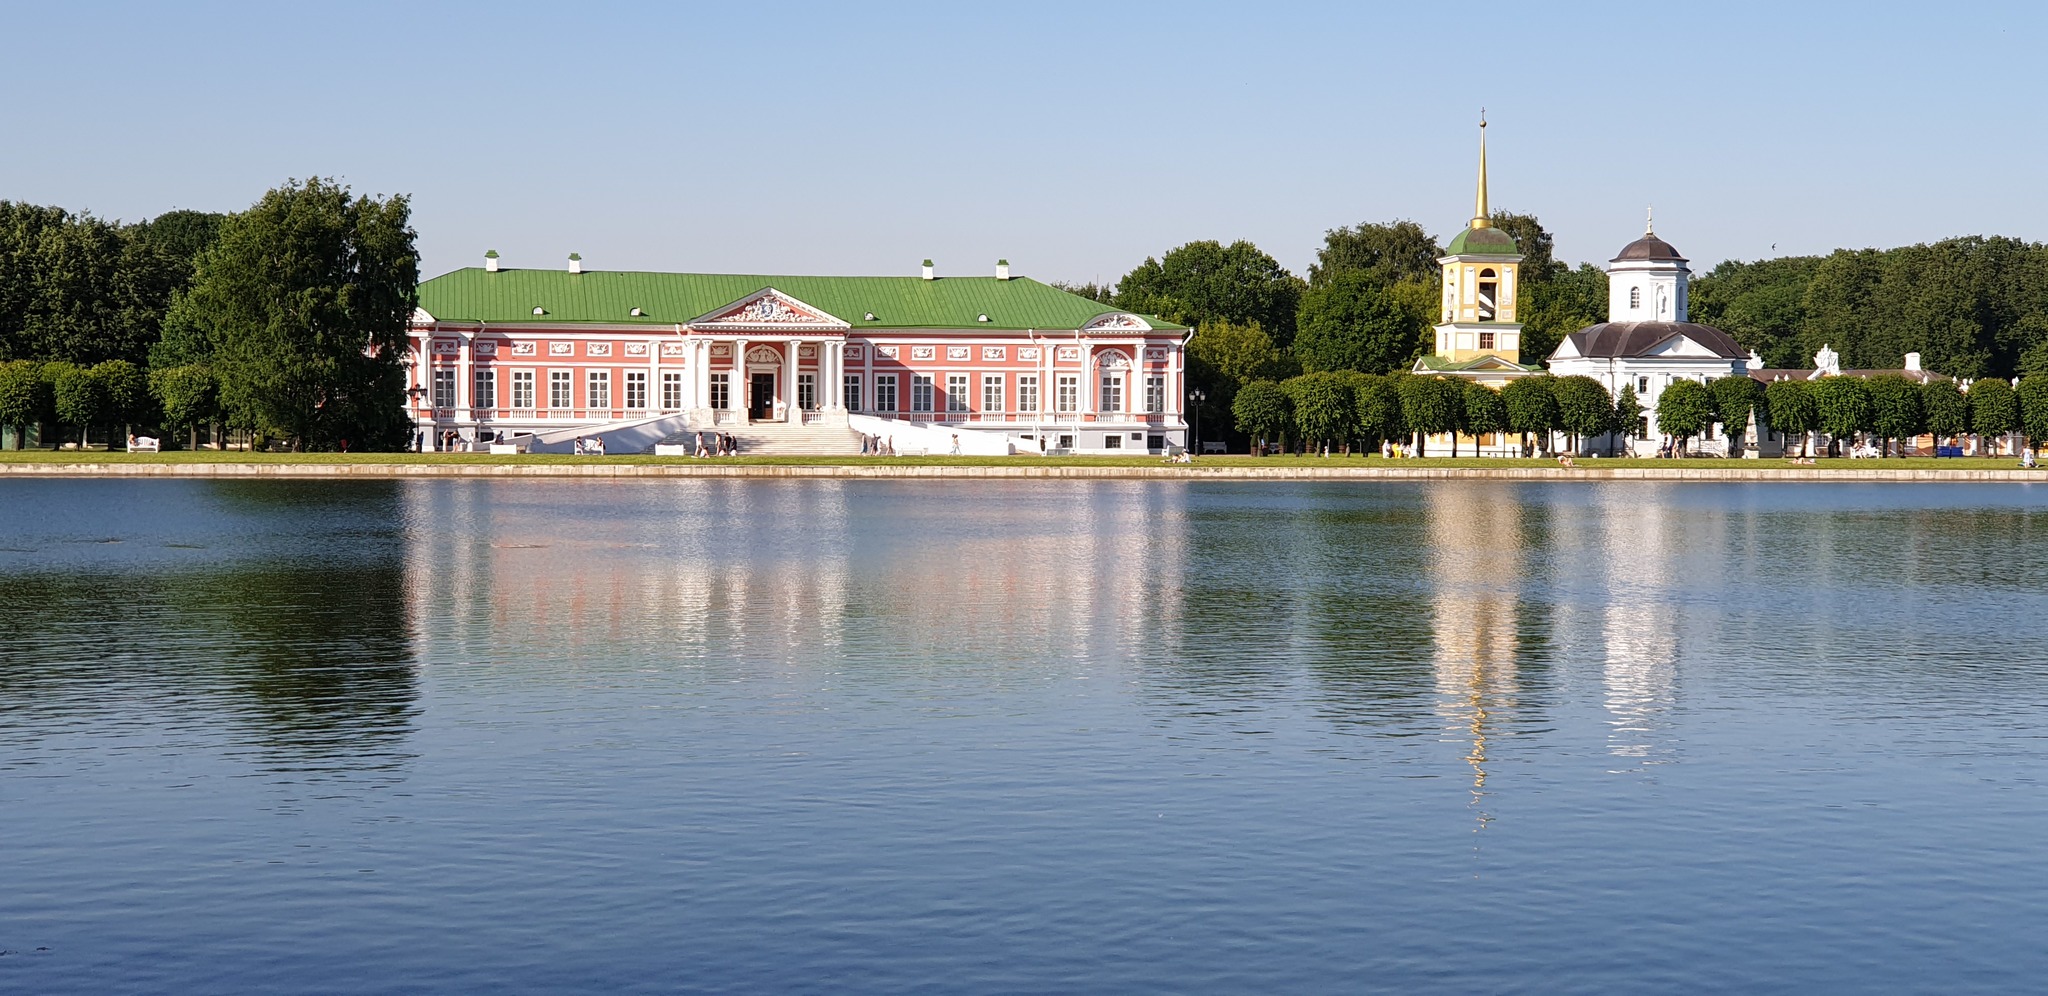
(1073,139)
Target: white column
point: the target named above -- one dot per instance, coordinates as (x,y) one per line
(653,376)
(738,388)
(835,381)
(464,372)
(1090,380)
(791,364)
(700,373)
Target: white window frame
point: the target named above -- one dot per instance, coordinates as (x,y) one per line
(721,391)
(671,390)
(1068,400)
(885,393)
(1027,393)
(522,390)
(561,389)
(807,392)
(1155,394)
(484,392)
(992,394)
(597,390)
(636,390)
(956,394)
(920,393)
(444,387)
(851,385)
(1112,396)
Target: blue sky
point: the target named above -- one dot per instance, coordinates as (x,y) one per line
(1073,139)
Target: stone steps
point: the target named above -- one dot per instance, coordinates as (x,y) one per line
(781,440)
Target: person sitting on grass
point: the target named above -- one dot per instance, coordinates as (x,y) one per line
(2027,458)
(1565,460)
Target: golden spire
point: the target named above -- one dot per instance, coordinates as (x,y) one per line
(1479,213)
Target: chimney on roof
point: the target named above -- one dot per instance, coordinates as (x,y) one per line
(928,270)
(491,261)
(1002,269)
(1913,362)
(575,262)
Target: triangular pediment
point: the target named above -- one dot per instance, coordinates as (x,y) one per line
(1678,344)
(769,308)
(1117,321)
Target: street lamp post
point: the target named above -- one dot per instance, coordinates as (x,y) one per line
(1198,396)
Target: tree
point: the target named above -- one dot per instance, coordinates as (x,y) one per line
(1378,403)
(1944,409)
(1431,405)
(1383,254)
(126,389)
(1324,409)
(1684,411)
(1538,247)
(1531,407)
(1225,356)
(1096,292)
(1485,412)
(1584,408)
(1263,410)
(1628,417)
(1842,405)
(1895,409)
(1203,282)
(2033,398)
(81,398)
(1351,322)
(305,299)
(1735,396)
(1554,308)
(1792,409)
(25,398)
(189,398)
(1994,410)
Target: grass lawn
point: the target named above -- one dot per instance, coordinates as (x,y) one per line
(1589,463)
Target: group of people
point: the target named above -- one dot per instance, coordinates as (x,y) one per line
(877,445)
(589,445)
(711,444)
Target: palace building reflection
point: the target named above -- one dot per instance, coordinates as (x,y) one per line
(1477,553)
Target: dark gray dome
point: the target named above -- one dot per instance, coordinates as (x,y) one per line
(1649,248)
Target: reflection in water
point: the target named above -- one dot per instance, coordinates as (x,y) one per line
(277,610)
(1640,548)
(1476,552)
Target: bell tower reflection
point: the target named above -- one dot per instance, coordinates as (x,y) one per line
(1476,560)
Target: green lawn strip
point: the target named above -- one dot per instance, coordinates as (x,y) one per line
(1272,462)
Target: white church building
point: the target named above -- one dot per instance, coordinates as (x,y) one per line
(1646,342)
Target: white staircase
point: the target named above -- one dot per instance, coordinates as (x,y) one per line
(781,439)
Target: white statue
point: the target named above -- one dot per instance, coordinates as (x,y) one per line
(1827,362)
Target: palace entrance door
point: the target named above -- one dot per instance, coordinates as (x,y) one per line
(761,398)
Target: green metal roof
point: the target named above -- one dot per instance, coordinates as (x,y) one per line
(1437,364)
(601,296)
(1482,242)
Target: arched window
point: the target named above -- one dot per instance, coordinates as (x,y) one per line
(1635,297)
(1489,286)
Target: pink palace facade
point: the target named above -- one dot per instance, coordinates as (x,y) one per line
(994,364)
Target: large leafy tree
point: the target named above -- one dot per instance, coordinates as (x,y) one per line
(1485,412)
(1944,409)
(1352,322)
(305,299)
(1384,253)
(81,398)
(25,398)
(1685,410)
(1325,409)
(188,396)
(1584,408)
(1263,410)
(2033,399)
(126,389)
(1994,409)
(1537,245)
(1760,303)
(82,290)
(1432,405)
(1531,407)
(1224,356)
(1628,417)
(1792,410)
(1843,405)
(1554,308)
(1895,411)
(1378,401)
(1734,398)
(1203,282)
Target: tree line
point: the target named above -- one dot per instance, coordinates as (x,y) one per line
(286,320)
(1973,307)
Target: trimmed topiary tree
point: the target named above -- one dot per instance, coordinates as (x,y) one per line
(1531,407)
(1484,412)
(1323,408)
(1944,410)
(1584,408)
(1378,403)
(1263,411)
(1895,411)
(1684,410)
(1790,408)
(1994,409)
(1431,405)
(1843,407)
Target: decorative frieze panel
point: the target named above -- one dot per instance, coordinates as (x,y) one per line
(807,352)
(769,308)
(636,349)
(447,347)
(721,349)
(923,352)
(524,349)
(1118,322)
(957,352)
(672,349)
(486,347)
(597,349)
(561,349)
(764,354)
(1112,360)
(1027,352)
(1070,352)
(856,352)
(992,352)
(886,352)
(1155,355)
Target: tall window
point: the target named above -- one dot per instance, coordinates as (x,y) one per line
(920,392)
(852,388)
(721,391)
(558,389)
(992,394)
(597,389)
(1027,392)
(444,388)
(885,392)
(807,392)
(522,389)
(636,390)
(956,392)
(1112,393)
(486,390)
(1635,297)
(1642,385)
(671,390)
(1488,288)
(1155,395)
(1069,397)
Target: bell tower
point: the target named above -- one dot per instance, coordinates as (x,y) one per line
(1480,280)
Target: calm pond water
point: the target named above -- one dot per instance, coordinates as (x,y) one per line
(982,736)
